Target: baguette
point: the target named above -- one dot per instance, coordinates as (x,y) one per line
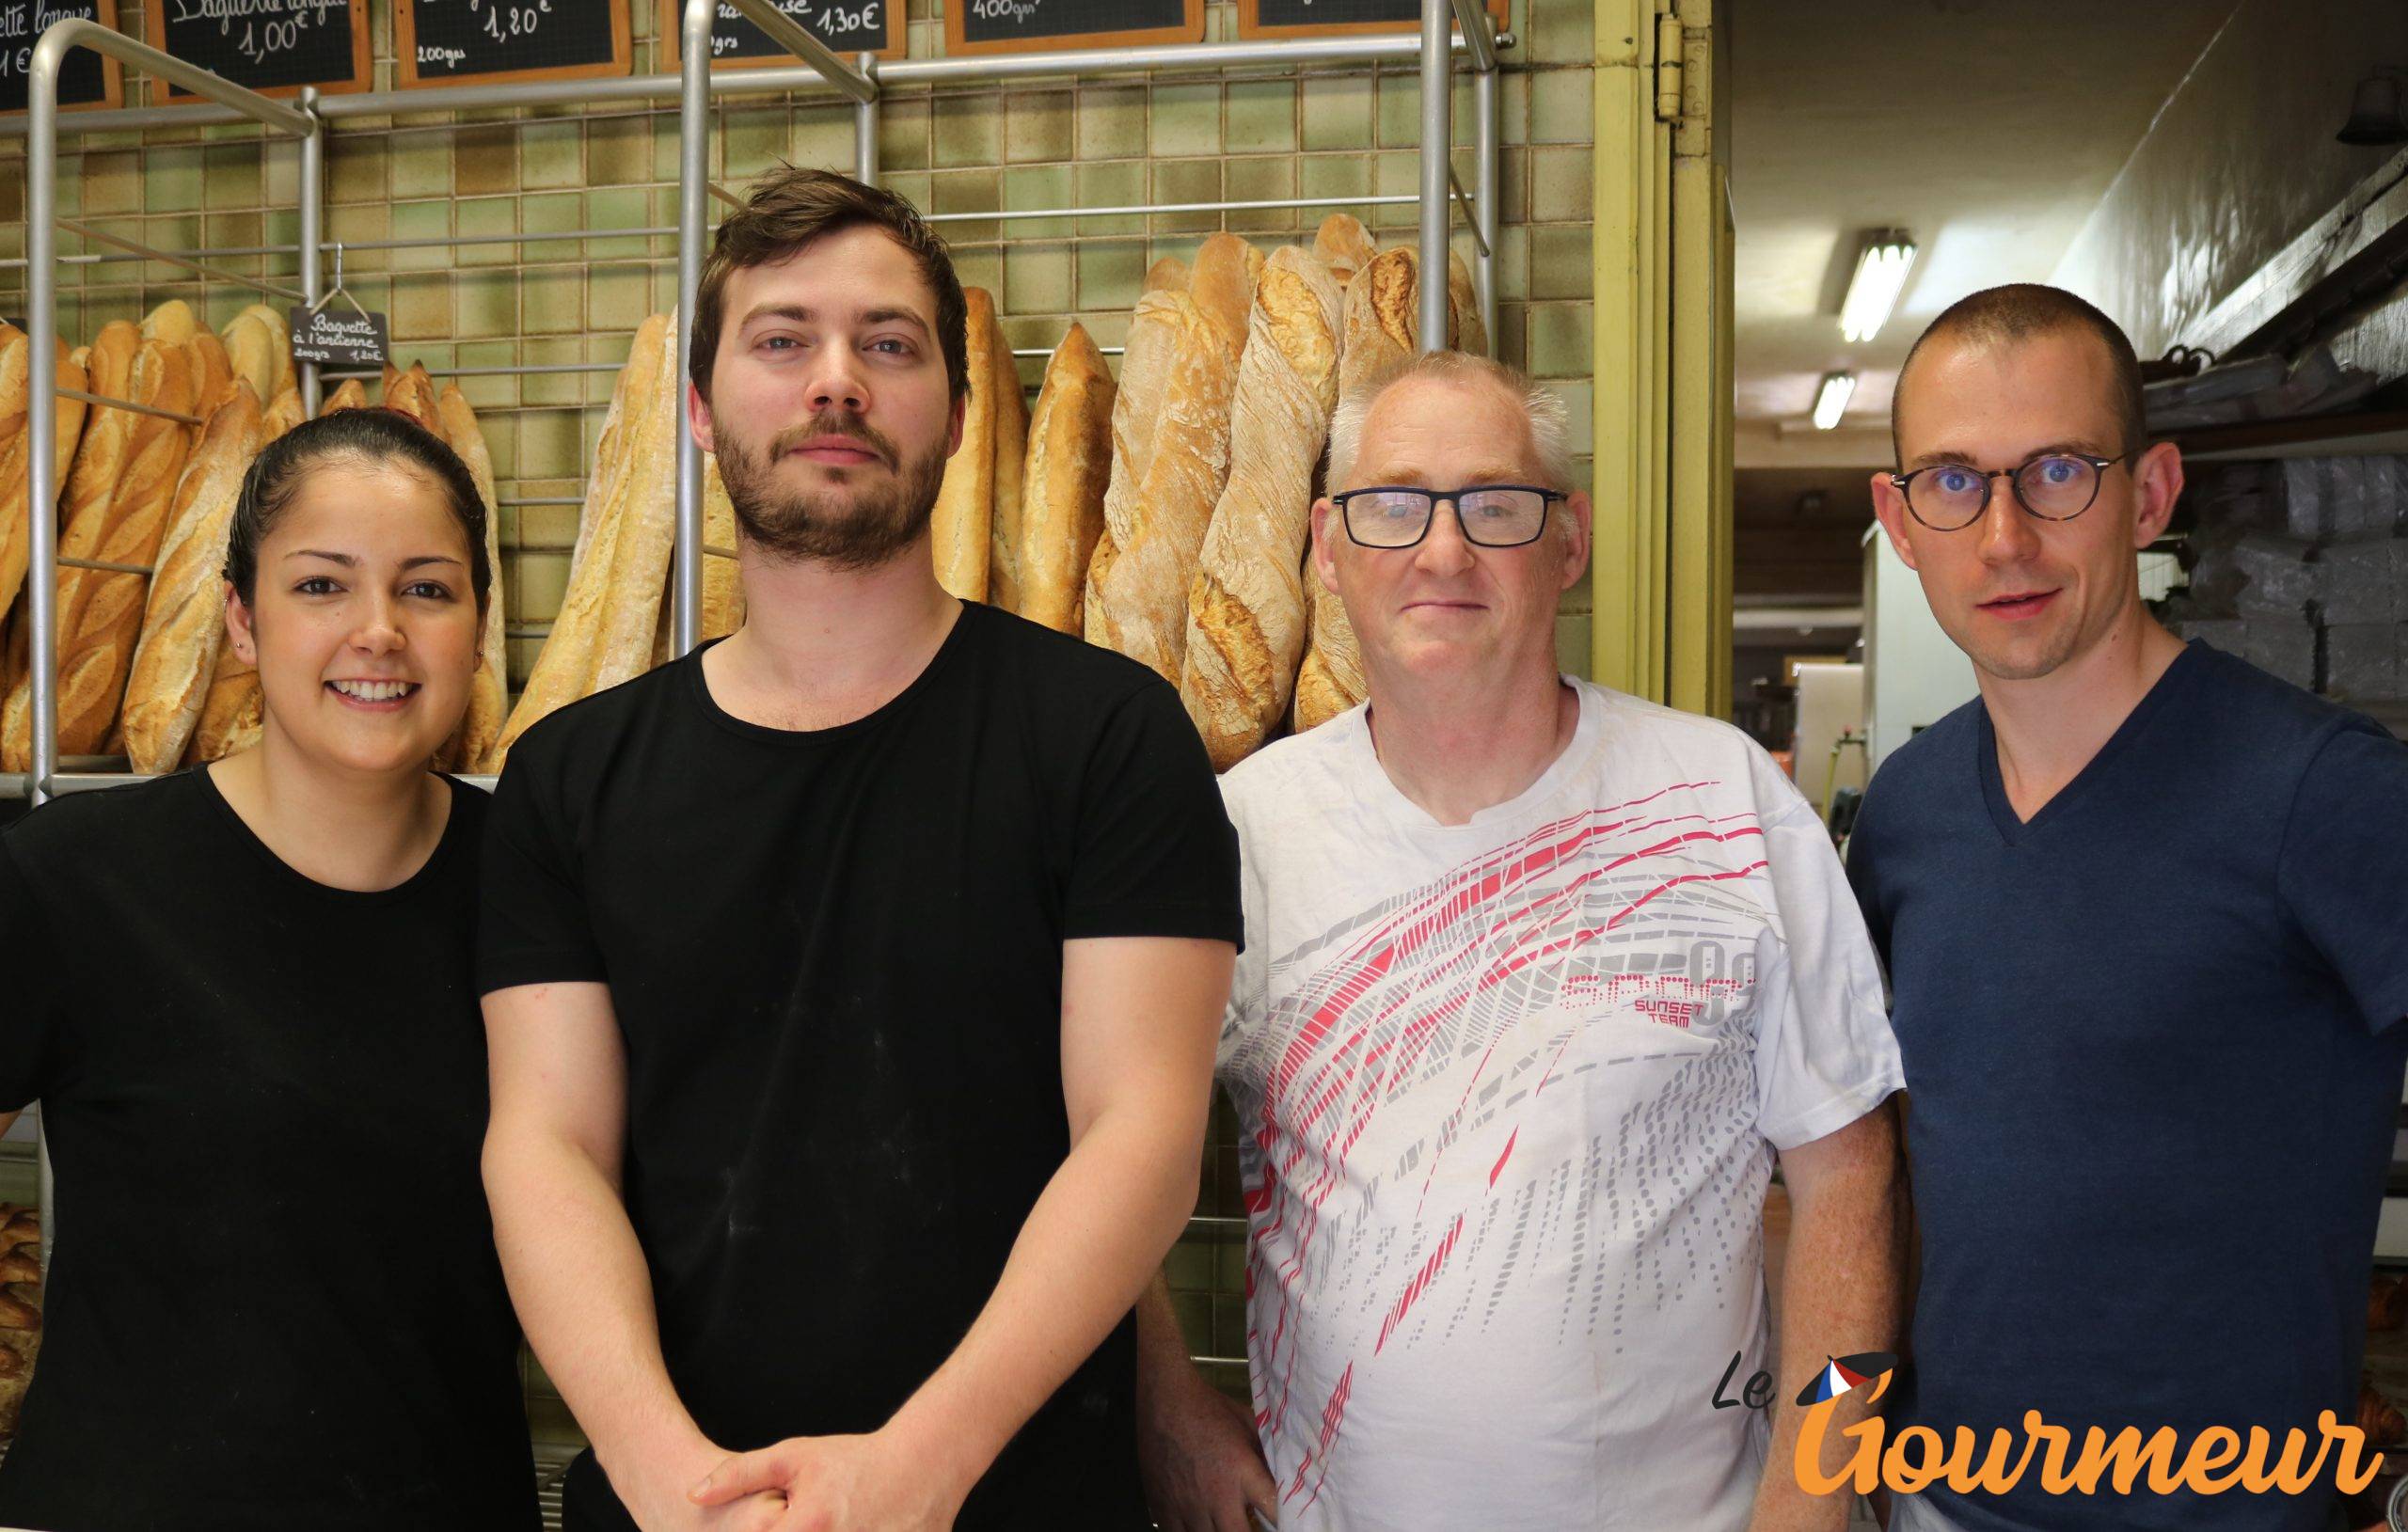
(1245,609)
(1168,275)
(1003,578)
(723,578)
(489,694)
(349,395)
(285,375)
(171,321)
(413,394)
(232,711)
(212,380)
(1344,245)
(960,529)
(1136,410)
(184,621)
(1143,592)
(611,448)
(1070,459)
(117,501)
(1381,332)
(281,415)
(16,420)
(605,630)
(250,351)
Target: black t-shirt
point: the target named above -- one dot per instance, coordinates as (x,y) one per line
(273,1300)
(836,958)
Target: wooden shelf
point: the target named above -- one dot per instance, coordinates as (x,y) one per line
(2314,435)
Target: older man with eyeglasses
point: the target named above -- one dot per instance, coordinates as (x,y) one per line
(2146,913)
(1539,982)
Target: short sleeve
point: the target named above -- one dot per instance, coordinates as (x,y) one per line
(1251,978)
(2343,873)
(1864,874)
(1152,853)
(32,1040)
(533,923)
(1825,1054)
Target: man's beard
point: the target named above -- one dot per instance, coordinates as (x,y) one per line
(845,525)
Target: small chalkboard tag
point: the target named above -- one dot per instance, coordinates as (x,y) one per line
(1008,26)
(339,338)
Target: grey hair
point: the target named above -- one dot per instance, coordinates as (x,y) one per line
(1544,411)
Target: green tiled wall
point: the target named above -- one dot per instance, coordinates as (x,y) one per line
(1126,140)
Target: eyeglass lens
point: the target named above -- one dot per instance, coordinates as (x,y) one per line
(1952,496)
(1396,518)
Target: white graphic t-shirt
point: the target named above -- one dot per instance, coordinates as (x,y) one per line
(1508,1094)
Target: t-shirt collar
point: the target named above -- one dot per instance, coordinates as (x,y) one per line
(1364,761)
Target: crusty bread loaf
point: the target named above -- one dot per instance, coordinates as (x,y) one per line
(114,509)
(604,632)
(960,530)
(489,697)
(281,415)
(1005,535)
(722,578)
(1382,331)
(285,376)
(184,619)
(611,449)
(1245,611)
(1069,461)
(1136,410)
(349,395)
(250,351)
(1344,245)
(1143,593)
(1168,275)
(413,394)
(213,379)
(171,321)
(16,440)
(232,711)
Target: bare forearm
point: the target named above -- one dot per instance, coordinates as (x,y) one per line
(1841,1291)
(1094,1238)
(1162,1347)
(584,1297)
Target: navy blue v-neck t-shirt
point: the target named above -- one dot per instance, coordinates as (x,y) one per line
(2153,1067)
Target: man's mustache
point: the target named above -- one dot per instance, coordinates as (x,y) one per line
(833,423)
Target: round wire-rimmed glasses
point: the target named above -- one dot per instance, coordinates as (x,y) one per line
(1491,515)
(2054,486)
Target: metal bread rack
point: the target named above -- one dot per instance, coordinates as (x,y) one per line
(1449,28)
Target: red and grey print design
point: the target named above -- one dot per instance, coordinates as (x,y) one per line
(1519,1097)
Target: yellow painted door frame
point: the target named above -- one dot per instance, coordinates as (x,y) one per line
(1660,578)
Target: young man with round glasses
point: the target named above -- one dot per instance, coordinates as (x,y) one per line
(2146,915)
(1538,982)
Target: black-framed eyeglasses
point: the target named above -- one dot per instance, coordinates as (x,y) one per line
(2055,487)
(1491,515)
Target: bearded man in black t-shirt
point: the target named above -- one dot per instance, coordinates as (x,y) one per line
(852,982)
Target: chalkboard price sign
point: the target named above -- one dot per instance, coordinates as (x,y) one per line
(847,26)
(337,338)
(1339,18)
(453,41)
(1016,27)
(273,46)
(88,79)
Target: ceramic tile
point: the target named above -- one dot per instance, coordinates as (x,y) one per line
(1337,111)
(1040,127)
(1186,121)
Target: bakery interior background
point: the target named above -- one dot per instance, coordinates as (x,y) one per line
(2180,163)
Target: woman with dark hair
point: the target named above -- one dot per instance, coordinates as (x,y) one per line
(242,995)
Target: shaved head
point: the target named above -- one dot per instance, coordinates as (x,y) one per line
(2002,317)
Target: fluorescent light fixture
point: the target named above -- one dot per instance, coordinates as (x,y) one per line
(1837,390)
(1880,276)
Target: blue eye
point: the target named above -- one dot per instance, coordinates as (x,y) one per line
(1955,482)
(2060,470)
